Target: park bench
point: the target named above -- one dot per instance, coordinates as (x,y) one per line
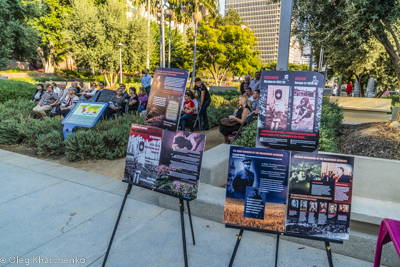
(360,109)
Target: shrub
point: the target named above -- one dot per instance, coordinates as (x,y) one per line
(16,90)
(227,95)
(47,79)
(248,136)
(217,101)
(216,114)
(24,79)
(16,70)
(50,144)
(395,99)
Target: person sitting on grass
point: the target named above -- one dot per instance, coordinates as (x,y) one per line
(188,109)
(38,94)
(69,102)
(241,114)
(132,101)
(143,98)
(48,101)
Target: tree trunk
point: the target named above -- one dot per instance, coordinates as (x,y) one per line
(360,84)
(106,79)
(194,57)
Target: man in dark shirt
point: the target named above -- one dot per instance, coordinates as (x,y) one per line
(245,84)
(205,101)
(243,179)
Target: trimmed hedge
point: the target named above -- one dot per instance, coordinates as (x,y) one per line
(40,79)
(10,90)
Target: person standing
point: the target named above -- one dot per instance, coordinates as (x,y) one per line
(349,89)
(48,101)
(255,105)
(256,83)
(245,84)
(146,81)
(205,101)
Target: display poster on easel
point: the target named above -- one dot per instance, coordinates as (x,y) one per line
(256,188)
(167,161)
(320,193)
(166,97)
(290,110)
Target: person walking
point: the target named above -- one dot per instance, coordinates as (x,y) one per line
(349,89)
(205,101)
(146,81)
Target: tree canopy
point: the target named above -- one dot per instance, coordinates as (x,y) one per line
(93,32)
(351,32)
(225,45)
(17,37)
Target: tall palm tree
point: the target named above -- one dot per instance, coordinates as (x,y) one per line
(198,9)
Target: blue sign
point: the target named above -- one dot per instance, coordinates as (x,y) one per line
(84,114)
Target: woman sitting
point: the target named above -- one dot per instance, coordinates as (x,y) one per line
(89,93)
(241,114)
(38,94)
(133,101)
(115,105)
(143,98)
(188,110)
(69,102)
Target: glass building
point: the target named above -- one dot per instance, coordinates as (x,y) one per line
(263,16)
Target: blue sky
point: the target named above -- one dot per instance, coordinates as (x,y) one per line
(222,7)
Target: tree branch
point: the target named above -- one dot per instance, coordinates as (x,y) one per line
(396,40)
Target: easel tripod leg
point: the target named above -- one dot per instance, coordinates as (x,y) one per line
(236,248)
(181,203)
(128,191)
(329,253)
(190,220)
(277,250)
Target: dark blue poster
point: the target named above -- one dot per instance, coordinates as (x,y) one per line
(257,188)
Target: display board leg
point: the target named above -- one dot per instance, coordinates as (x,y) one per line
(190,220)
(181,203)
(277,250)
(236,247)
(128,191)
(329,253)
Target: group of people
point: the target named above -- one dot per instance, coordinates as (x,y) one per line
(193,107)
(60,100)
(249,101)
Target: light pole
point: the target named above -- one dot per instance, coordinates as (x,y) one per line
(284,35)
(148,35)
(120,61)
(169,14)
(311,59)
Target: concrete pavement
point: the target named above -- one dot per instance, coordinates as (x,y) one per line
(50,211)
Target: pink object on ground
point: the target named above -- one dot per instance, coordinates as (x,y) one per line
(389,231)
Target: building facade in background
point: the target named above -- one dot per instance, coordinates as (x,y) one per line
(263,16)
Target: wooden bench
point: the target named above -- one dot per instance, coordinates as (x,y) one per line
(361,109)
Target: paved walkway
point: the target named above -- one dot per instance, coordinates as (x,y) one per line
(52,211)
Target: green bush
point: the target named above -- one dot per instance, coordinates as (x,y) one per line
(108,139)
(217,101)
(16,70)
(47,79)
(248,136)
(216,114)
(395,99)
(25,79)
(16,90)
(50,144)
(227,95)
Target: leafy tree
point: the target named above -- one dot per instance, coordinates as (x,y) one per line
(50,27)
(292,67)
(348,28)
(93,32)
(227,47)
(17,37)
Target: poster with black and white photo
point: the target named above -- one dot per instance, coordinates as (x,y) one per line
(166,97)
(320,192)
(290,110)
(256,188)
(164,160)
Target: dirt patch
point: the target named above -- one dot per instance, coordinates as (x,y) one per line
(112,168)
(371,140)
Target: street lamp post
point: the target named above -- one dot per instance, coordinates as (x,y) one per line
(120,61)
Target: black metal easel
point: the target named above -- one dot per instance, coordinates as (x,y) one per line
(327,242)
(182,210)
(242,228)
